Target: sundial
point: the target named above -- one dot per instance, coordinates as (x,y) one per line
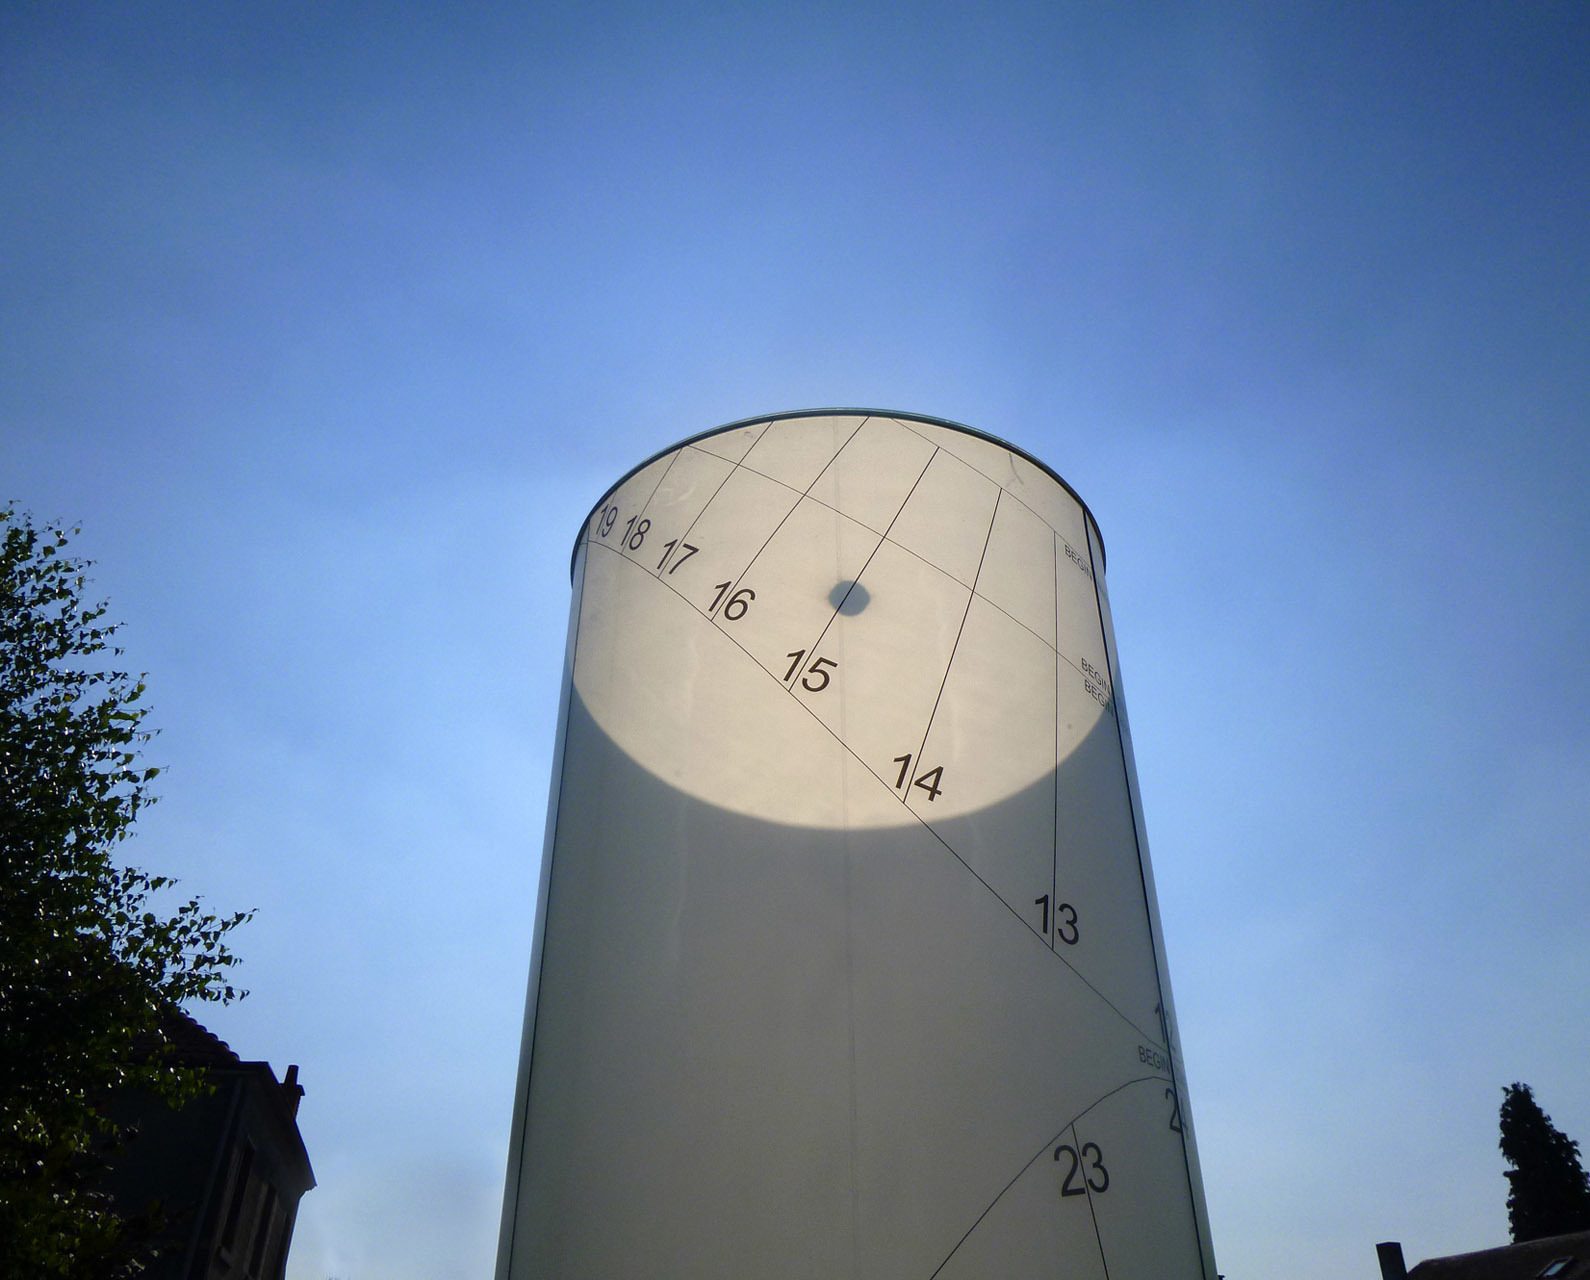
(847,960)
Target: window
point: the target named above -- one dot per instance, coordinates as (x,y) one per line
(234,1207)
(263,1231)
(1556,1267)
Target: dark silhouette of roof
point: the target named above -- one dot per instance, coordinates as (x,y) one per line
(191,1044)
(195,1045)
(1553,1258)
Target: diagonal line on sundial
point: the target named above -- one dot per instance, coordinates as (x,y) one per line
(919,768)
(710,442)
(639,518)
(1069,1126)
(995,479)
(740,577)
(855,582)
(661,480)
(1087,1190)
(1054,827)
(917,555)
(959,632)
(733,467)
(1081,977)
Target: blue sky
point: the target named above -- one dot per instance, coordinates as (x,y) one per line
(329,323)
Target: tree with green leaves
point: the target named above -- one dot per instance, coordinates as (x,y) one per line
(1548,1194)
(88,959)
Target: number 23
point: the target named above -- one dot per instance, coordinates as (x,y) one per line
(1072,1186)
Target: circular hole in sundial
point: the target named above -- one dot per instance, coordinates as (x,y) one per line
(849,597)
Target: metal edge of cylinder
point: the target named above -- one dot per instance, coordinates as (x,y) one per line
(929,419)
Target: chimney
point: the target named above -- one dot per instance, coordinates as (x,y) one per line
(1392,1267)
(295,1091)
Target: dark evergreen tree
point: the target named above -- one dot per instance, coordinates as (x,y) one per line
(1548,1193)
(88,960)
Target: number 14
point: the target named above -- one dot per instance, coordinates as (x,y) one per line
(929,781)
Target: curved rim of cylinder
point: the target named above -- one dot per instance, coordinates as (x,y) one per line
(927,418)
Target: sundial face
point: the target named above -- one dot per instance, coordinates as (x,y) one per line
(849,963)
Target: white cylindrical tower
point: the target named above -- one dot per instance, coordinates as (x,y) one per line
(847,961)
